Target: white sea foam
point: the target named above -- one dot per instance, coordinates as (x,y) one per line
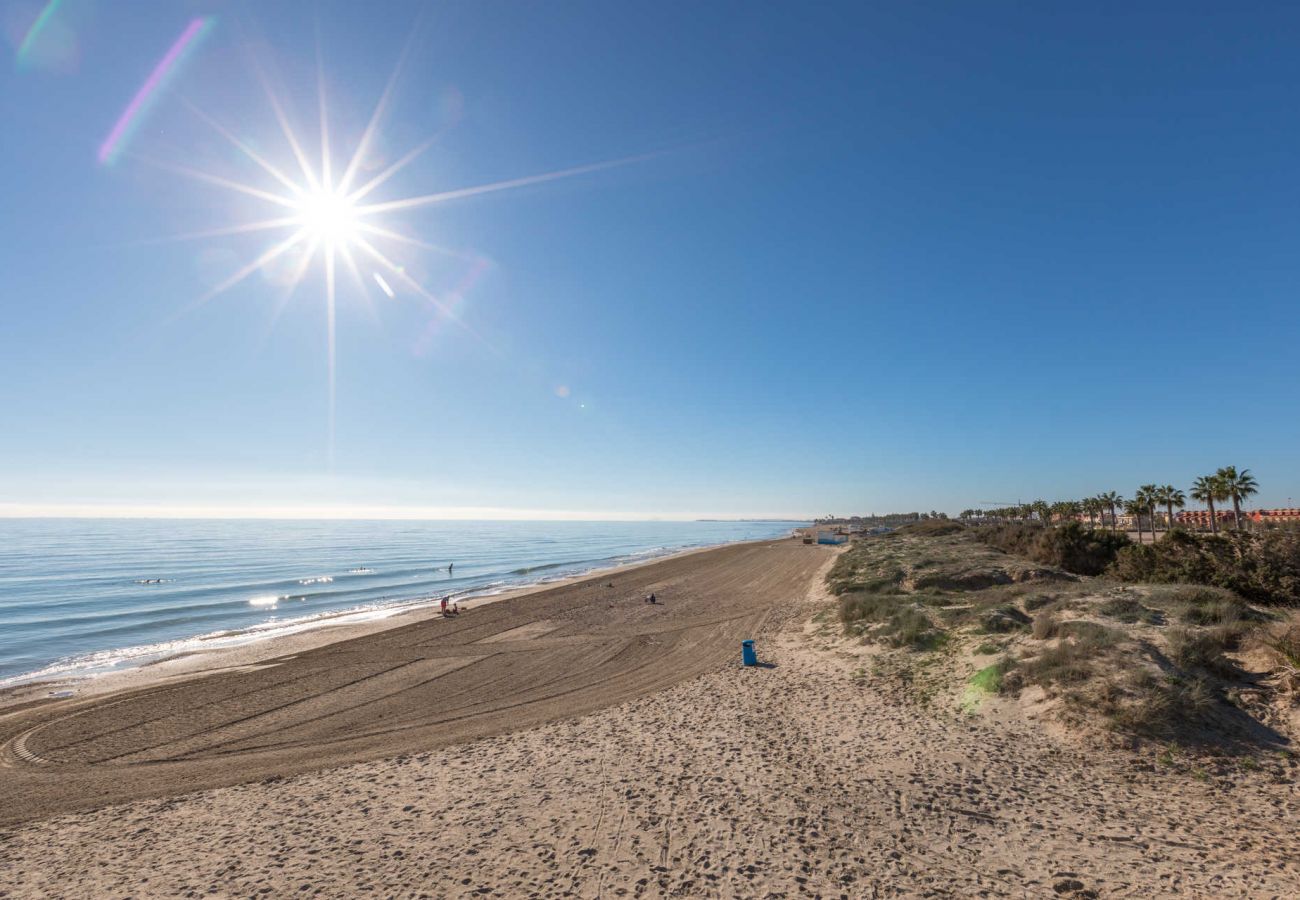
(105,661)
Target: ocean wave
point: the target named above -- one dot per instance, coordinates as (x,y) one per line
(528,570)
(271,600)
(104,661)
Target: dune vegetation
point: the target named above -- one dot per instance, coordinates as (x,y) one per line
(1191,641)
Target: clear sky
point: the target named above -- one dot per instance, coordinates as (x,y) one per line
(856,257)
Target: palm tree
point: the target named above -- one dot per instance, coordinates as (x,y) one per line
(1092,506)
(1111,500)
(1207,489)
(1170,496)
(1236,486)
(1134,508)
(1044,511)
(1146,495)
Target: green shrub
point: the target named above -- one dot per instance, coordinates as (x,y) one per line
(1073,547)
(1264,568)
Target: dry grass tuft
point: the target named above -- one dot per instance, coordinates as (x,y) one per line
(1281,643)
(1200,650)
(1129,611)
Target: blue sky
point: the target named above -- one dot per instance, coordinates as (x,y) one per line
(870,257)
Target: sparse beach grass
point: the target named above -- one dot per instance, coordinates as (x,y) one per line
(1182,664)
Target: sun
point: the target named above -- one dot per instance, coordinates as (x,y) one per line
(329,222)
(330,217)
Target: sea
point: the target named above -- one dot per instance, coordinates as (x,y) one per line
(81,597)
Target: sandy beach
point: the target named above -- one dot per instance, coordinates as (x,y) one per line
(431,682)
(580,742)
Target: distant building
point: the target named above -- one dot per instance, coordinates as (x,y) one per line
(1200,518)
(1279,516)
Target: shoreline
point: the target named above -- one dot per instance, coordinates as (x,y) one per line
(417,686)
(248,650)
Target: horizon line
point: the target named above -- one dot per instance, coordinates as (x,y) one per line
(340,512)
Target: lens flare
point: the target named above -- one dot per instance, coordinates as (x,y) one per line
(34,33)
(138,107)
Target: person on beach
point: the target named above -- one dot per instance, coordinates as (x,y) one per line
(444,606)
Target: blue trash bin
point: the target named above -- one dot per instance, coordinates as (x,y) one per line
(747,654)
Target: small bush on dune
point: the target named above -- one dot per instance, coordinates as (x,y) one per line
(1282,643)
(1200,651)
(910,627)
(1067,663)
(1038,601)
(1209,606)
(888,584)
(1165,707)
(904,624)
(1128,611)
(1090,636)
(1046,625)
(864,607)
(1004,619)
(1285,641)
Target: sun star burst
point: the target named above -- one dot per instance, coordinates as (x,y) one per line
(323,220)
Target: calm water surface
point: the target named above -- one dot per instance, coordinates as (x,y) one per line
(80,596)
